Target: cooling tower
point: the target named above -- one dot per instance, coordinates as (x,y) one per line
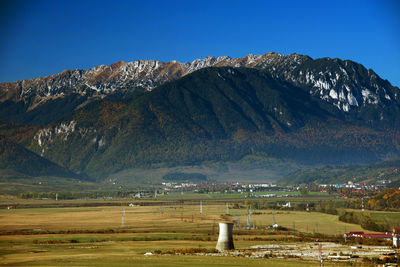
(225,240)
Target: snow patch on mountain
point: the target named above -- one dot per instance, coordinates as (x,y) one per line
(333,80)
(333,94)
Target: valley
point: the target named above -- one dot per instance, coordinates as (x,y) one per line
(154,232)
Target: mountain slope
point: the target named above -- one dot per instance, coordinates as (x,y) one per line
(371,174)
(17,160)
(215,114)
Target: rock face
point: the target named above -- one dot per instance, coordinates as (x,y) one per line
(344,84)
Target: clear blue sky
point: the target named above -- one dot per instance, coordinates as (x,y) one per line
(40,38)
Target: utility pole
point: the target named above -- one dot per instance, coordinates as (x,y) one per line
(201,207)
(213,227)
(320,258)
(273,219)
(362,204)
(238,221)
(123,218)
(248,218)
(294,230)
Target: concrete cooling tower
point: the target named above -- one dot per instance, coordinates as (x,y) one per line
(225,240)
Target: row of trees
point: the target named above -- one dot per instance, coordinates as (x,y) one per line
(63,195)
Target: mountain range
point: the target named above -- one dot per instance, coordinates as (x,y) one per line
(148,113)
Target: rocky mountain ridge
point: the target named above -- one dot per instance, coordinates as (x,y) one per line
(103,80)
(345,84)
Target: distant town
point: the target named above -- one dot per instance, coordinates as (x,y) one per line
(261,190)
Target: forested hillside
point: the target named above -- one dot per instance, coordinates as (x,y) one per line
(372,173)
(215,114)
(16,160)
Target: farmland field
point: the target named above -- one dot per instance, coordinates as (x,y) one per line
(101,236)
(182,218)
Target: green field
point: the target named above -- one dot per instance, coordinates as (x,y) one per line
(388,216)
(390,219)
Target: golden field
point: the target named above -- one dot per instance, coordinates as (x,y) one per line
(95,236)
